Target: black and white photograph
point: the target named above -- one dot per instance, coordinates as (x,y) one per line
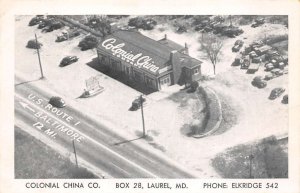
(110,96)
(151,96)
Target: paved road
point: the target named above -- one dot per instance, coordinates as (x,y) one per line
(94,143)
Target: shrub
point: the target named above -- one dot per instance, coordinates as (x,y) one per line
(276,38)
(141,23)
(194,85)
(89,42)
(32,44)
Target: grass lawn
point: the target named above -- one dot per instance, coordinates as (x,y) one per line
(35,160)
(269,160)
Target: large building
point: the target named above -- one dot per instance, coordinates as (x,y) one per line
(157,64)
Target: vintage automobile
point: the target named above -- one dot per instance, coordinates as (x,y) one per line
(53,26)
(237,45)
(276,92)
(269,76)
(269,66)
(65,35)
(277,71)
(136,104)
(245,63)
(36,20)
(258,22)
(259,82)
(285,99)
(68,60)
(57,102)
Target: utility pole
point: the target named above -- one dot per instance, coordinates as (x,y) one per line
(38,52)
(230,20)
(75,152)
(142,110)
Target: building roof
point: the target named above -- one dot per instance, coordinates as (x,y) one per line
(189,62)
(171,44)
(264,48)
(135,44)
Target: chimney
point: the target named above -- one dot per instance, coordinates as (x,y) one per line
(186,49)
(165,36)
(173,55)
(176,65)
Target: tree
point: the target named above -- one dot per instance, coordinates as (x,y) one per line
(212,45)
(100,23)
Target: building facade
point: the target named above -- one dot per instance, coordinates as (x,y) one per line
(156,64)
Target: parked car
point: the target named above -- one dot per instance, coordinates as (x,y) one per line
(237,45)
(236,48)
(231,31)
(258,22)
(259,82)
(285,99)
(65,35)
(256,60)
(276,92)
(68,60)
(277,71)
(269,66)
(42,24)
(269,76)
(238,60)
(136,104)
(252,68)
(245,63)
(36,20)
(57,102)
(53,26)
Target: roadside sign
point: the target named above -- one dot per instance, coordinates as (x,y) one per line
(92,83)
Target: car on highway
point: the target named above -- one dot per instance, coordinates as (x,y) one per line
(276,92)
(68,60)
(259,82)
(57,102)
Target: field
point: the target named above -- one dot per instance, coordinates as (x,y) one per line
(268,160)
(35,160)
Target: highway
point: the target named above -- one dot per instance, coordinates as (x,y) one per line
(95,143)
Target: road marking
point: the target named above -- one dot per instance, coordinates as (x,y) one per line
(120,168)
(87,137)
(146,158)
(25,105)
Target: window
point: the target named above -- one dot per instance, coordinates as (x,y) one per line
(165,80)
(196,71)
(103,59)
